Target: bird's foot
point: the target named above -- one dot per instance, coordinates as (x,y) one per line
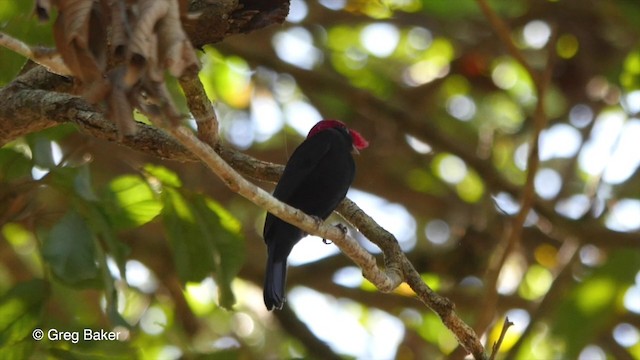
(340,227)
(317,219)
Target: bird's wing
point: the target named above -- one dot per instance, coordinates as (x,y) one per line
(301,163)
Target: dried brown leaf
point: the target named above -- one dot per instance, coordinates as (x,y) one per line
(144,43)
(120,28)
(80,37)
(145,40)
(175,50)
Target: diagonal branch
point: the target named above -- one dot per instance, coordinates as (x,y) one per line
(395,261)
(504,33)
(512,234)
(201,109)
(384,280)
(25,108)
(32,103)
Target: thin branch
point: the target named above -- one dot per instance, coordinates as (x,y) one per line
(512,235)
(22,105)
(504,33)
(34,101)
(385,281)
(568,256)
(465,335)
(201,109)
(396,259)
(496,346)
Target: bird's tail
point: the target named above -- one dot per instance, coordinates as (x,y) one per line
(274,281)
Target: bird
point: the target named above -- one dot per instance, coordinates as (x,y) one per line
(315,180)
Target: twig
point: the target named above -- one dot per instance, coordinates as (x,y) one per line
(396,259)
(504,33)
(201,109)
(385,280)
(568,255)
(465,335)
(496,346)
(513,232)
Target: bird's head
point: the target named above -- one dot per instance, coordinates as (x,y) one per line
(359,142)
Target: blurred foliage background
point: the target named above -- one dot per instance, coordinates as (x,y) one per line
(93,235)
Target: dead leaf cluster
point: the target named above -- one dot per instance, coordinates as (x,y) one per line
(119,52)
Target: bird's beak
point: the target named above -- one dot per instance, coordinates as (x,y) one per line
(354,150)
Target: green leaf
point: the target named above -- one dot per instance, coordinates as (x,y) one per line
(131,202)
(228,246)
(75,180)
(101,225)
(18,351)
(13,165)
(589,308)
(227,354)
(192,248)
(630,76)
(205,239)
(69,249)
(166,176)
(20,313)
(17,19)
(82,184)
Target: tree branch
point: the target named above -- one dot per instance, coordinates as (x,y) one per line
(513,232)
(496,346)
(24,109)
(201,109)
(384,280)
(46,109)
(504,33)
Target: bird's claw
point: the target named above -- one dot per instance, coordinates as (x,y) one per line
(340,227)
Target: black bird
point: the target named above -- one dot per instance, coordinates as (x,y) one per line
(315,180)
